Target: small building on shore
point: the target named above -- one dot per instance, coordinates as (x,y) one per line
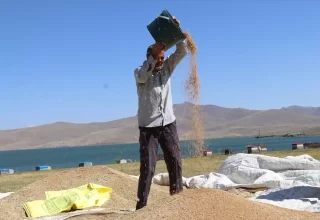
(311,145)
(256,149)
(207,152)
(85,164)
(298,145)
(125,161)
(6,171)
(43,167)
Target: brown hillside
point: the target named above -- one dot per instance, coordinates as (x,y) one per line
(275,117)
(218,122)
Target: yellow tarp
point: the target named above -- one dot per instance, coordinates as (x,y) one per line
(86,196)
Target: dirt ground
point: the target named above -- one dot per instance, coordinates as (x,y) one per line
(191,204)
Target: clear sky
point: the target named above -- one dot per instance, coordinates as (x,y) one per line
(74,60)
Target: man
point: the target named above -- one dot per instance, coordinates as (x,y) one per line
(157,122)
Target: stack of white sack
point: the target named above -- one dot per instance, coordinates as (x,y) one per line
(290,180)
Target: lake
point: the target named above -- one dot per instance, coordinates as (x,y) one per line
(67,157)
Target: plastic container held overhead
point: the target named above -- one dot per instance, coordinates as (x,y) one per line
(164,29)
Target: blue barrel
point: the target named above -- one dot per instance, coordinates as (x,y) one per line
(164,29)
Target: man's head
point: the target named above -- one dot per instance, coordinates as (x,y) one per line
(160,58)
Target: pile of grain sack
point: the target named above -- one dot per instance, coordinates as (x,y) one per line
(290,182)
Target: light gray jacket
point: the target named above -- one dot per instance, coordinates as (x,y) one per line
(154,89)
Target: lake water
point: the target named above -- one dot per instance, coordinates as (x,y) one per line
(27,160)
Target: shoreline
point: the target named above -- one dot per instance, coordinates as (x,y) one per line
(134,143)
(215,155)
(191,166)
(70,157)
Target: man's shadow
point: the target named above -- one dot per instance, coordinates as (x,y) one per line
(297,192)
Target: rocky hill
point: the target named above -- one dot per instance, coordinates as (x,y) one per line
(218,122)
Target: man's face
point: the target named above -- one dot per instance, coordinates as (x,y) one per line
(160,61)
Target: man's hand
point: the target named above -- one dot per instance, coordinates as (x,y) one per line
(157,48)
(176,21)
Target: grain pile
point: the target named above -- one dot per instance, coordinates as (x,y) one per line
(190,204)
(192,87)
(123,197)
(215,204)
(207,204)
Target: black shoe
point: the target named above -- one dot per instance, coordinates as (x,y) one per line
(139,206)
(174,192)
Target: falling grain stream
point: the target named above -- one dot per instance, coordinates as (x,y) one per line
(192,87)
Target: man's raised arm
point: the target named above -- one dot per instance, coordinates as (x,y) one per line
(174,59)
(143,72)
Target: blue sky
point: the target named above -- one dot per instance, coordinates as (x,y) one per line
(74,60)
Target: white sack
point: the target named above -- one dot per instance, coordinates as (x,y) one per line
(163,179)
(288,163)
(4,195)
(211,180)
(304,177)
(243,168)
(293,182)
(259,169)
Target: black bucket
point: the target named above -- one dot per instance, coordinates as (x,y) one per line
(164,29)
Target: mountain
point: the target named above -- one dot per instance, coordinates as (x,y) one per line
(314,111)
(218,122)
(275,117)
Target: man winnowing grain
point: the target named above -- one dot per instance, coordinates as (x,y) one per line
(157,122)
